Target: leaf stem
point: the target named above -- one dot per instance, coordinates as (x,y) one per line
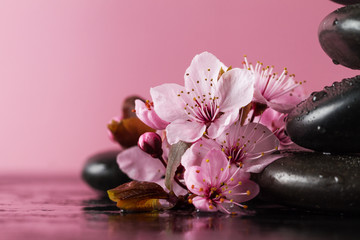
(162,161)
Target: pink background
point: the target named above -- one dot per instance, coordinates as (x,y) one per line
(66,65)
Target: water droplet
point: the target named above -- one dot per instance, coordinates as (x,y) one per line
(336,179)
(319,95)
(336,84)
(335,22)
(320,129)
(348,82)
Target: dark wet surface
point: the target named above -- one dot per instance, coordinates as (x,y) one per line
(65,208)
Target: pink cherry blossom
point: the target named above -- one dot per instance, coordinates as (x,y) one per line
(275,91)
(275,121)
(146,113)
(206,104)
(249,147)
(216,186)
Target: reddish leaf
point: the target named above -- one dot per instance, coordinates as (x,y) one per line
(138,196)
(127,131)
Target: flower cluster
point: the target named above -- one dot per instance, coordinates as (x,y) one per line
(232,122)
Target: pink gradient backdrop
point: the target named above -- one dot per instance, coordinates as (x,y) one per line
(66,66)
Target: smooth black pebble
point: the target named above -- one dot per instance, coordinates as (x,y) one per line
(101,171)
(328,121)
(339,36)
(312,181)
(346,2)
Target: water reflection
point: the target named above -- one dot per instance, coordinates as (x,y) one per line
(63,208)
(274,222)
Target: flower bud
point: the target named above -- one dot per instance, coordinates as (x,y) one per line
(150,143)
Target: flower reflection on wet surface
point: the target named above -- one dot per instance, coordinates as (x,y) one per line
(64,208)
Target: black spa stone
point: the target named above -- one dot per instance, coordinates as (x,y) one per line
(101,171)
(346,2)
(329,120)
(313,181)
(339,36)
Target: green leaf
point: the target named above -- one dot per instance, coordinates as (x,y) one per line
(176,152)
(138,196)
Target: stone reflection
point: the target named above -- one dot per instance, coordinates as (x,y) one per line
(101,213)
(276,222)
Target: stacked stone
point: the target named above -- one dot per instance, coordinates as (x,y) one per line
(328,123)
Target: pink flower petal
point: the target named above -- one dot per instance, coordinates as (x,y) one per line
(149,116)
(265,140)
(197,152)
(204,68)
(258,97)
(167,104)
(257,165)
(286,102)
(215,167)
(193,177)
(220,124)
(139,165)
(272,119)
(236,89)
(281,107)
(246,185)
(279,92)
(185,131)
(203,204)
(258,138)
(176,187)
